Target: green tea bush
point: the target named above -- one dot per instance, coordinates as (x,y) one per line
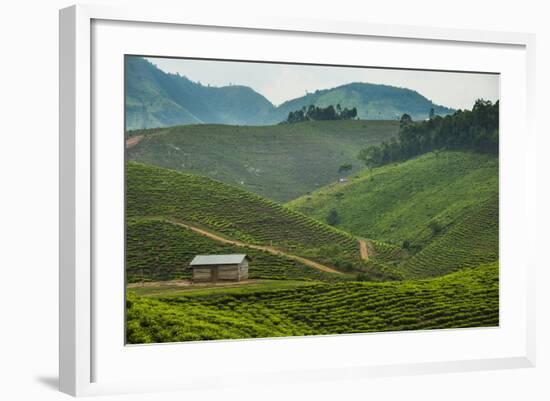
(229,211)
(468,298)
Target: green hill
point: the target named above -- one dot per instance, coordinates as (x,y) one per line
(158,249)
(468,298)
(373,102)
(158,99)
(412,202)
(473,240)
(279,162)
(154,192)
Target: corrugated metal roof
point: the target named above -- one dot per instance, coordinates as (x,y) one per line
(217,259)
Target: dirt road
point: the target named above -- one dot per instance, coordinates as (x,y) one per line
(133,141)
(269,249)
(363,249)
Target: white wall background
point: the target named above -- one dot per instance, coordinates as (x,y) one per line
(29,185)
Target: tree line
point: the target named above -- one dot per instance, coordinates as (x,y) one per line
(475,130)
(314,113)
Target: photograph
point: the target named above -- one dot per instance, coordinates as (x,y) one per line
(266,199)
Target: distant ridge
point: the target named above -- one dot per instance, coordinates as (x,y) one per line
(158,99)
(373,102)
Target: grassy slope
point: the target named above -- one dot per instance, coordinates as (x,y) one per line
(397,202)
(279,162)
(468,298)
(471,241)
(231,212)
(161,250)
(373,101)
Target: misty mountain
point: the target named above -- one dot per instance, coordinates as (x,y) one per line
(158,99)
(373,102)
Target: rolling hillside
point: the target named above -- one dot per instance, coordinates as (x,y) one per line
(334,247)
(468,298)
(158,249)
(373,102)
(153,192)
(471,241)
(280,162)
(411,201)
(158,99)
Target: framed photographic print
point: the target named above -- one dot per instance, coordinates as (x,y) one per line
(235,192)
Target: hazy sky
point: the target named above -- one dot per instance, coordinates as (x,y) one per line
(281,82)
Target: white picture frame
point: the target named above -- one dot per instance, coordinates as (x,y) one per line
(84,351)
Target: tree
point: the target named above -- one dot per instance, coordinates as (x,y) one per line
(345,168)
(332,217)
(432,113)
(405,121)
(394,149)
(474,130)
(435,226)
(290,117)
(328,113)
(371,156)
(314,113)
(310,112)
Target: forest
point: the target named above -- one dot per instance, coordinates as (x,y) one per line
(475,130)
(314,113)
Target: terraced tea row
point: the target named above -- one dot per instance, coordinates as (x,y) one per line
(472,241)
(468,298)
(160,250)
(385,252)
(279,162)
(407,203)
(232,212)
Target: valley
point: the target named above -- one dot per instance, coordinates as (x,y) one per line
(280,162)
(356,207)
(436,286)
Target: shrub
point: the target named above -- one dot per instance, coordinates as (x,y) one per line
(333,218)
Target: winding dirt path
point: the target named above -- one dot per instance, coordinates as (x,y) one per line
(134,140)
(363,249)
(269,249)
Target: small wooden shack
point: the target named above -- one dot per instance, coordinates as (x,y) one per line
(213,268)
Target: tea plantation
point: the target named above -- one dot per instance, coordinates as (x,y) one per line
(161,250)
(234,213)
(430,225)
(468,298)
(468,243)
(280,162)
(409,201)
